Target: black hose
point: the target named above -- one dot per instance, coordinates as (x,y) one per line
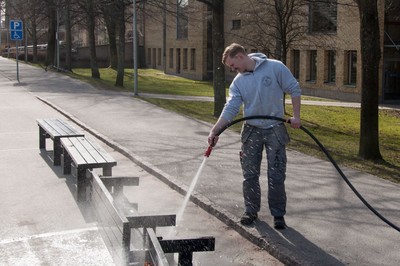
(327,155)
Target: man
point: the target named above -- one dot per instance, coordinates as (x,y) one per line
(260,86)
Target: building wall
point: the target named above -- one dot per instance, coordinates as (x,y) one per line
(185,56)
(346,39)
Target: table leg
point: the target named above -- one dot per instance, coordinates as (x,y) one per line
(81,183)
(57,151)
(66,163)
(42,138)
(107,171)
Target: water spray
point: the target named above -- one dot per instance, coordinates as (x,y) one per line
(192,186)
(208,152)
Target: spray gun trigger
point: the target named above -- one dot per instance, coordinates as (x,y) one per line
(208,151)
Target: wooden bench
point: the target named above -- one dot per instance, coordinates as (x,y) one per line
(84,154)
(116,228)
(55,129)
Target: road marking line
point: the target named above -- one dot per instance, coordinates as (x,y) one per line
(26,238)
(25,149)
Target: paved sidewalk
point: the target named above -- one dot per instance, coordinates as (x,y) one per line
(328,225)
(394,106)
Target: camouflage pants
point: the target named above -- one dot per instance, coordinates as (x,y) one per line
(274,140)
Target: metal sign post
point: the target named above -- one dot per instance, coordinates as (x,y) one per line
(135,51)
(16,34)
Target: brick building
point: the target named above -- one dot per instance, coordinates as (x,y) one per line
(325,59)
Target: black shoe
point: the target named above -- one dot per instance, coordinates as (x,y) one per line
(248,218)
(279,222)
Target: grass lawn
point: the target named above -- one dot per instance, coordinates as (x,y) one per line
(337,128)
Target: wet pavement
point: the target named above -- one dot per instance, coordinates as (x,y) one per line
(328,225)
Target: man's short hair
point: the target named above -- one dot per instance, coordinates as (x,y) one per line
(232,50)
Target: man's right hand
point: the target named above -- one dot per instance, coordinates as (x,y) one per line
(212,139)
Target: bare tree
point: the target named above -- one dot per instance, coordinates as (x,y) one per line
(370,58)
(51,31)
(121,7)
(88,6)
(34,19)
(34,26)
(68,34)
(218,46)
(273,24)
(109,13)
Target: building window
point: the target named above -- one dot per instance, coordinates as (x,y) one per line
(159,56)
(148,56)
(323,16)
(311,65)
(182,19)
(296,63)
(178,61)
(236,24)
(154,57)
(351,68)
(171,57)
(192,59)
(185,58)
(330,66)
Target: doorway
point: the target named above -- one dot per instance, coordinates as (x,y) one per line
(391,80)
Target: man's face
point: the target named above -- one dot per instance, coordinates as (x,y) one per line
(236,63)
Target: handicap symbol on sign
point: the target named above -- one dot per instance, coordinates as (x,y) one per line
(16,30)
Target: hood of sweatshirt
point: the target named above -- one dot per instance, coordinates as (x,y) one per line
(259,58)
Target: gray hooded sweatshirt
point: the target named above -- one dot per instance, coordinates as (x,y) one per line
(261,91)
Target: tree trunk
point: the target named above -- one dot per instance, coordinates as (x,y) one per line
(370,57)
(218,45)
(34,41)
(51,34)
(68,37)
(109,15)
(121,45)
(92,40)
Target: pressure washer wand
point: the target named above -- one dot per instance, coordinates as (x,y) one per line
(208,151)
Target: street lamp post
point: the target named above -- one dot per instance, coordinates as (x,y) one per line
(135,53)
(57,38)
(0,29)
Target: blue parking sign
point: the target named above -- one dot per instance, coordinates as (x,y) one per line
(16,30)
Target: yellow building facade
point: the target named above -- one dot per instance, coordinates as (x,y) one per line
(177,39)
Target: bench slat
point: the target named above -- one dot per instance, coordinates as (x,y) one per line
(58,128)
(72,151)
(85,152)
(64,128)
(87,155)
(151,221)
(120,180)
(99,154)
(206,243)
(113,226)
(156,253)
(110,231)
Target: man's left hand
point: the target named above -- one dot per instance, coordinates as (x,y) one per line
(295,122)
